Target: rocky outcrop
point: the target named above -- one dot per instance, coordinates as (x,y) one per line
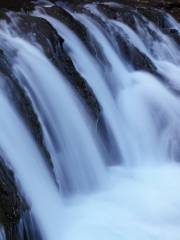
(129,15)
(38,29)
(137,58)
(16,5)
(78,28)
(15,217)
(25,229)
(130,53)
(11,203)
(63,16)
(22,102)
(171,6)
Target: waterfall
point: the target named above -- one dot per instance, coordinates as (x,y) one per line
(27,161)
(63,114)
(2,234)
(113,176)
(101,89)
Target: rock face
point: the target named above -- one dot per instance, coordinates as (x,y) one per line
(13,207)
(16,5)
(11,203)
(34,28)
(172,6)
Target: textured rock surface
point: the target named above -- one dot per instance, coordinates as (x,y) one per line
(16,5)
(38,29)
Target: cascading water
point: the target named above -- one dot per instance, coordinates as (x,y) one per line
(101,88)
(2,234)
(138,197)
(28,164)
(63,114)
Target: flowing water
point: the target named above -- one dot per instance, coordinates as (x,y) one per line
(137,198)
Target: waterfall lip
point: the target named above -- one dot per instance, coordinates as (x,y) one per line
(97,76)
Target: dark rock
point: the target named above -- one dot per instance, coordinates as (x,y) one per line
(171,6)
(79,29)
(16,5)
(158,17)
(12,205)
(125,14)
(134,56)
(25,229)
(130,53)
(173,33)
(38,29)
(66,18)
(23,104)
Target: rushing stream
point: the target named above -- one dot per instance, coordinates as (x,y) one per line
(121,185)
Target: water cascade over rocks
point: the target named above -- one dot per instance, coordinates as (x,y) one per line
(89,120)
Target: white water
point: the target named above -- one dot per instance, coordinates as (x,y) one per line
(73,146)
(137,202)
(161,49)
(2,234)
(24,157)
(88,69)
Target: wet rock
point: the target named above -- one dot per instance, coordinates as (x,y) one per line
(79,29)
(14,211)
(12,204)
(129,52)
(128,15)
(158,17)
(173,33)
(22,102)
(67,19)
(171,6)
(175,12)
(134,56)
(125,14)
(39,30)
(25,229)
(16,5)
